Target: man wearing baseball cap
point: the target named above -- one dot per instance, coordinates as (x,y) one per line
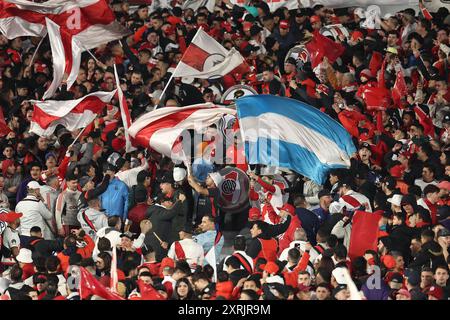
(284,37)
(316,22)
(11,239)
(187,249)
(207,203)
(35,213)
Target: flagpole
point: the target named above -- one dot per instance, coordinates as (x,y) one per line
(78,136)
(35,51)
(92,55)
(175,71)
(123,113)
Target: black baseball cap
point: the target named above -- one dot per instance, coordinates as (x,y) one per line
(167,177)
(187,228)
(323,193)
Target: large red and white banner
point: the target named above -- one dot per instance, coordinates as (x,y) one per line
(205,58)
(160,129)
(72,114)
(73,26)
(385,5)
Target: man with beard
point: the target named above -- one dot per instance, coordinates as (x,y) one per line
(34,170)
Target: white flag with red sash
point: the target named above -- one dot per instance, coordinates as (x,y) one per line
(205,58)
(124,113)
(73,26)
(72,114)
(160,129)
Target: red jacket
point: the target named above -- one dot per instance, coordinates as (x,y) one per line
(287,237)
(224,289)
(291,278)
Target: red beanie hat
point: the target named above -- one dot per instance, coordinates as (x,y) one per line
(388,261)
(166,262)
(397,171)
(5,165)
(254,214)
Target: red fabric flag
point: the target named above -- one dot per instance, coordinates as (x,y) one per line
(364,235)
(4,129)
(321,46)
(376,98)
(376,62)
(148,292)
(89,286)
(399,90)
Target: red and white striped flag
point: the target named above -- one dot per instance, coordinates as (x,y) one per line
(72,114)
(124,113)
(205,58)
(160,129)
(73,26)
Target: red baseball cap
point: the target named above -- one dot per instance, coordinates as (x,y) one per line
(314,19)
(284,24)
(289,208)
(247,26)
(10,216)
(254,214)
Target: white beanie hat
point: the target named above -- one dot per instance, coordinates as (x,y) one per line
(179,174)
(396,200)
(24,256)
(216,177)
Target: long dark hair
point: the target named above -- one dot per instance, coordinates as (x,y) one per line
(190,295)
(106,257)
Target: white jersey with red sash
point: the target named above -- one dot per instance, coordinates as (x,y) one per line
(188,250)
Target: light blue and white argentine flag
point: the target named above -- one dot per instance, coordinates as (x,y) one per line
(288,133)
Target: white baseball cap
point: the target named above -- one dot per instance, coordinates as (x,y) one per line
(179,174)
(216,177)
(396,200)
(33,185)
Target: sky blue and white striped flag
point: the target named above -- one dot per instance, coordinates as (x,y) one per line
(288,133)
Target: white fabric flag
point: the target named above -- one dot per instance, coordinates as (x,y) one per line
(205,58)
